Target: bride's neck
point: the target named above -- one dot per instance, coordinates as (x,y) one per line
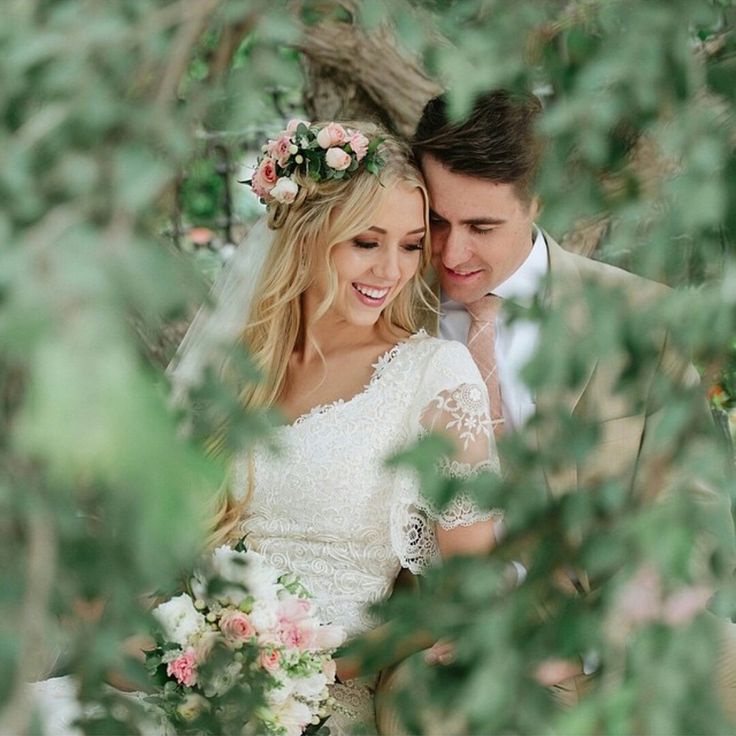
(328,336)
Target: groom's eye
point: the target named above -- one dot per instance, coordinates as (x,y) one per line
(482,230)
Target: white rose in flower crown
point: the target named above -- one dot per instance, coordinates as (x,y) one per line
(180,620)
(285,190)
(337,159)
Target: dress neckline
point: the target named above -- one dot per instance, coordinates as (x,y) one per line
(378,367)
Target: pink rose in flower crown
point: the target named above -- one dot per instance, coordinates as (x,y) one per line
(265,177)
(359,143)
(236,627)
(337,159)
(270,659)
(184,668)
(294,123)
(332,134)
(280,149)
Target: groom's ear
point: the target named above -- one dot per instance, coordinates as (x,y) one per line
(535,207)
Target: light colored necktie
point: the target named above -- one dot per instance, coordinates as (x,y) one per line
(482,346)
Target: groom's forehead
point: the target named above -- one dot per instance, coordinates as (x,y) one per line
(489,204)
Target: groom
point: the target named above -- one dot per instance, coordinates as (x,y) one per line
(491,259)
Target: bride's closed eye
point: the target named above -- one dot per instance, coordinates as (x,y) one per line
(370,244)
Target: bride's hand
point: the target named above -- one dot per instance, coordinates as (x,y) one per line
(134,647)
(348,668)
(443,652)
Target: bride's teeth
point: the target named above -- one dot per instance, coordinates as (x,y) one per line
(372,293)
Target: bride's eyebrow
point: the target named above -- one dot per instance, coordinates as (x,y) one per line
(377,229)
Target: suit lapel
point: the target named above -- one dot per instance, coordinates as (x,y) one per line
(565,291)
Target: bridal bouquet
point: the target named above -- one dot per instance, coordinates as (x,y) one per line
(244,653)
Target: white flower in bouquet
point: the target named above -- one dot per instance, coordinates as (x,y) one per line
(293,716)
(180,620)
(281,693)
(192,706)
(330,637)
(246,569)
(223,681)
(312,687)
(265,616)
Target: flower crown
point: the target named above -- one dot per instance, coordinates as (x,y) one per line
(322,153)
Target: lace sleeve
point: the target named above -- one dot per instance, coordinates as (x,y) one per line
(451,400)
(462,413)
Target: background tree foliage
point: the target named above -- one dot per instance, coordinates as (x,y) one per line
(123,126)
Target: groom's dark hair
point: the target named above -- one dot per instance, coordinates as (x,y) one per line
(496,140)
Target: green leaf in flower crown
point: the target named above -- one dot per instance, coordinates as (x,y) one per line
(373,145)
(353,165)
(302,131)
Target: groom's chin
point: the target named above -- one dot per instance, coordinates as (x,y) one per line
(466,292)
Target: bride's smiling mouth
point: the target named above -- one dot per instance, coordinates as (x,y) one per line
(372,296)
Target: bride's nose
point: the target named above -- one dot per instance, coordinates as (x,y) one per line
(387,264)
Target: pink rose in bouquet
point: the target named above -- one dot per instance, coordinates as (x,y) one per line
(184,668)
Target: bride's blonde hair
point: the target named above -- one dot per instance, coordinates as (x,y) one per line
(324,214)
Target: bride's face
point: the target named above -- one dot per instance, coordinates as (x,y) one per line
(373,267)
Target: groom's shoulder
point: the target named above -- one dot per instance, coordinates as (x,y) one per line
(635,287)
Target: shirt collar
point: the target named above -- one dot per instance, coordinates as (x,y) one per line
(524,284)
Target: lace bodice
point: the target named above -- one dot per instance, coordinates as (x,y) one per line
(328,509)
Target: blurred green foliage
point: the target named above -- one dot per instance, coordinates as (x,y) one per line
(104,108)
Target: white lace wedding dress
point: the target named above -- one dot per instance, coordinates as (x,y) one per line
(328,509)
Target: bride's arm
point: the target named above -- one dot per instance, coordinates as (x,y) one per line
(476,539)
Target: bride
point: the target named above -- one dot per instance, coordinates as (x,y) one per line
(332,322)
(333,329)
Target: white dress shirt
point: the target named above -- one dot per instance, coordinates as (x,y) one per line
(516,342)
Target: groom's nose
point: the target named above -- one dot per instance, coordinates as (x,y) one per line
(452,248)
